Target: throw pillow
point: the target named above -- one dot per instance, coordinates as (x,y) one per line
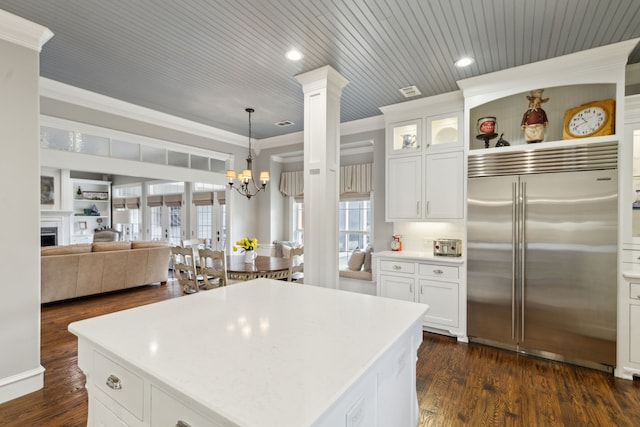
(367,259)
(286,251)
(356,260)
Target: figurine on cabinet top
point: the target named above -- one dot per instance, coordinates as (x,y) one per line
(535,119)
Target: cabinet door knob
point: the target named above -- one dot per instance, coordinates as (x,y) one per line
(181,423)
(438,271)
(114,382)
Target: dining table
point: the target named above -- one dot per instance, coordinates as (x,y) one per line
(269,267)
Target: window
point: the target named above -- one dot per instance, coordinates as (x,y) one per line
(298,222)
(204,223)
(354,227)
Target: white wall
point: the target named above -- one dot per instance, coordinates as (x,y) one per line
(20,370)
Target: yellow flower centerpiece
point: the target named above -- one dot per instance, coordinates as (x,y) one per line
(247,246)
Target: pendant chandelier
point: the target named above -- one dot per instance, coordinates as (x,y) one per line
(246,176)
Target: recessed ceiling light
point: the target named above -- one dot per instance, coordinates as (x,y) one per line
(294,55)
(465,61)
(284,123)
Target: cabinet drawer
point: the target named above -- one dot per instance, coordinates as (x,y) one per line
(119,383)
(634,291)
(101,416)
(439,271)
(393,266)
(167,411)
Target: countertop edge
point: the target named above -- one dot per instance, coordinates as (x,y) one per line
(420,256)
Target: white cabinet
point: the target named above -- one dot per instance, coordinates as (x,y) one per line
(425,164)
(444,186)
(444,132)
(404,137)
(441,196)
(432,282)
(91,208)
(404,188)
(397,287)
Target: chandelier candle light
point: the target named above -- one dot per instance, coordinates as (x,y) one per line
(246,175)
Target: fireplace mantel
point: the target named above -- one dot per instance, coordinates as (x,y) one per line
(59,219)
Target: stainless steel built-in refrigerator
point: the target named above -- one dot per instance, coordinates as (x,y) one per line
(541,250)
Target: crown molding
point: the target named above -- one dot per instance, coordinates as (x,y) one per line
(66,93)
(597,65)
(427,106)
(22,32)
(348,128)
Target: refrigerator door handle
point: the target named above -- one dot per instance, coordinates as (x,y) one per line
(514,243)
(523,240)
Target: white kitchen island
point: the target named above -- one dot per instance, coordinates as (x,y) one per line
(260,353)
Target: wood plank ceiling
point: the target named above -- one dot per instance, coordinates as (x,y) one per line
(206,60)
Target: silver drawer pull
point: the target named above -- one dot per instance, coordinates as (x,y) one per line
(182,424)
(438,271)
(114,382)
(397,267)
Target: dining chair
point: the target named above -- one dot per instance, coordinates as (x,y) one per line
(213,268)
(196,244)
(185,269)
(296,265)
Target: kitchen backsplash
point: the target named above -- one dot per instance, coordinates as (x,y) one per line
(415,234)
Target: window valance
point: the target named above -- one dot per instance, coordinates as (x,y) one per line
(154,201)
(132,202)
(119,203)
(173,200)
(203,198)
(292,183)
(355,181)
(206,198)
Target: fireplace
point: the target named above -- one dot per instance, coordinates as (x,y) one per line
(48,236)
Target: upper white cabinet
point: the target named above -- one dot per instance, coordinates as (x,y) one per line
(425,166)
(444,132)
(444,186)
(404,137)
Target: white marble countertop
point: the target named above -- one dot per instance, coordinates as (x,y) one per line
(420,256)
(259,353)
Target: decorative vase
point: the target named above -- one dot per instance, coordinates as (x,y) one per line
(249,257)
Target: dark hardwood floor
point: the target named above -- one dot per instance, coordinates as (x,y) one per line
(458,384)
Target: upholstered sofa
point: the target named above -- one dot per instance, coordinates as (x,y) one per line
(86,269)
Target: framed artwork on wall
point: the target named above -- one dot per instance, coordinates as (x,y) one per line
(47,191)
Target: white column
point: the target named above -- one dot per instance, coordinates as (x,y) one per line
(20,43)
(322,89)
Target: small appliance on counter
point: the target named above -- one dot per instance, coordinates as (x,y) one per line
(447,247)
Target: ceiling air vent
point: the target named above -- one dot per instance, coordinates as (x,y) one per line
(283,123)
(410,91)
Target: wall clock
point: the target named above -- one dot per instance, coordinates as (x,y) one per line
(595,118)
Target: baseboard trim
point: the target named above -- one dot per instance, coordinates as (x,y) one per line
(20,384)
